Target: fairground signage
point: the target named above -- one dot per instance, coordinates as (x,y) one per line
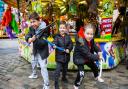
(106,26)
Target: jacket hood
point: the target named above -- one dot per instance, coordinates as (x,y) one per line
(81,33)
(42,25)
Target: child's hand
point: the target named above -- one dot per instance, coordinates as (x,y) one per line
(100,55)
(67,50)
(29,40)
(54,46)
(32,39)
(100,58)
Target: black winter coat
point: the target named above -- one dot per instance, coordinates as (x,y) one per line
(64,42)
(39,45)
(83,52)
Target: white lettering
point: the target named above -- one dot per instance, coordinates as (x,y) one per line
(107,25)
(107,30)
(107,20)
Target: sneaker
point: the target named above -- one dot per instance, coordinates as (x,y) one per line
(76,87)
(38,66)
(33,76)
(46,86)
(99,79)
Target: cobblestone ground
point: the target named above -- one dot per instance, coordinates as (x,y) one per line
(14,72)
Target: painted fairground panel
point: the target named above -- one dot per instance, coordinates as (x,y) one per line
(113,53)
(24,50)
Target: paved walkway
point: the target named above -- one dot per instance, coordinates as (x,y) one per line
(14,72)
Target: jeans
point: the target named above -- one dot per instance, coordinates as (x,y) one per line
(43,65)
(59,67)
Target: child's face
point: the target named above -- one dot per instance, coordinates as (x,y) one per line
(89,33)
(34,23)
(62,29)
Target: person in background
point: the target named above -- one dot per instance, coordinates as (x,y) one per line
(40,49)
(84,54)
(126,37)
(79,24)
(62,58)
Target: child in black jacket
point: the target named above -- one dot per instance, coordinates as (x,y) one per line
(62,58)
(84,54)
(40,49)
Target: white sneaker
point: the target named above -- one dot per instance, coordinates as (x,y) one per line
(75,87)
(38,66)
(46,87)
(33,76)
(99,79)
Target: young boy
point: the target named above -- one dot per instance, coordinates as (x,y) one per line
(62,58)
(40,49)
(84,54)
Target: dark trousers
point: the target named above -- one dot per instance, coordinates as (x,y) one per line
(60,66)
(81,73)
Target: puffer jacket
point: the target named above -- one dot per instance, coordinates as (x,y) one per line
(63,42)
(84,52)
